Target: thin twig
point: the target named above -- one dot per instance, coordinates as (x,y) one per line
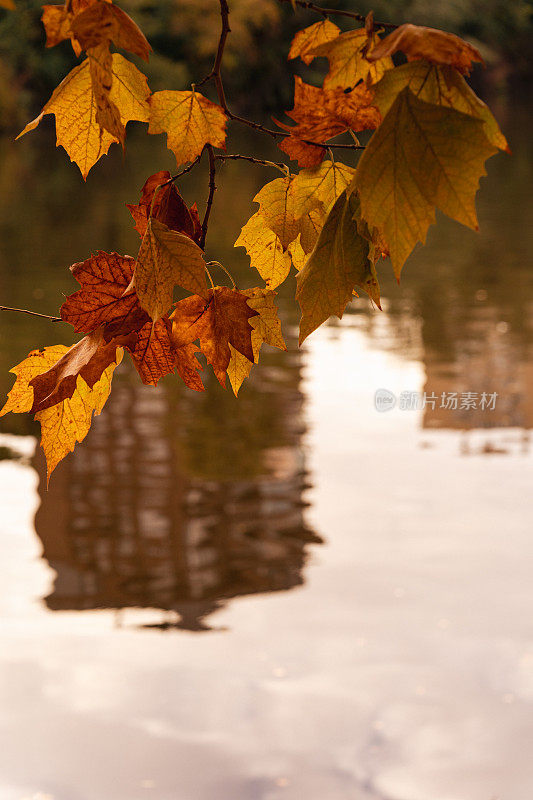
(327,12)
(183,171)
(32,313)
(212,190)
(235,157)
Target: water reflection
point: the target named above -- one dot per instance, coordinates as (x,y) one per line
(177,503)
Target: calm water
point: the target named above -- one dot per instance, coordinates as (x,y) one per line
(291,595)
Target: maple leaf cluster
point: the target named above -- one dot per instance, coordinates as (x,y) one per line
(331,222)
(126,303)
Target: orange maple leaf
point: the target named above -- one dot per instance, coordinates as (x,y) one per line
(155,355)
(321,114)
(218,322)
(428,44)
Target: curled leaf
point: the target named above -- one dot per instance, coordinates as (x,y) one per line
(428,44)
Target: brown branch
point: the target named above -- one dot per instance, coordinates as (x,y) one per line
(212,190)
(183,171)
(32,313)
(327,12)
(252,160)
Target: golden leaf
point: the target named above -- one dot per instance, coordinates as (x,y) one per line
(266,252)
(104,22)
(74,105)
(266,328)
(166,259)
(422,157)
(429,44)
(311,37)
(338,263)
(319,186)
(69,421)
(442,86)
(107,113)
(348,62)
(190,121)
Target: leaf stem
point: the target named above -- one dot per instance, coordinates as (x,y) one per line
(32,313)
(228,273)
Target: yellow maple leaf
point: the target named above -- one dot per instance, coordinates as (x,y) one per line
(74,105)
(319,186)
(347,60)
(166,259)
(422,157)
(312,36)
(266,252)
(190,121)
(339,262)
(67,422)
(440,85)
(266,328)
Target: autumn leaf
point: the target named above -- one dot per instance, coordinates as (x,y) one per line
(313,36)
(9,4)
(221,320)
(168,207)
(155,355)
(349,61)
(266,329)
(428,44)
(190,121)
(266,252)
(322,114)
(422,157)
(104,22)
(69,421)
(74,105)
(166,259)
(107,113)
(57,21)
(319,187)
(88,358)
(338,263)
(440,85)
(104,278)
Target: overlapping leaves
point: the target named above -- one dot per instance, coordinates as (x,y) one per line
(332,222)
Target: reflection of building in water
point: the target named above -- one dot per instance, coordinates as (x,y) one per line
(178,501)
(488,360)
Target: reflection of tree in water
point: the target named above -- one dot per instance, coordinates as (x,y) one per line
(180,501)
(465,304)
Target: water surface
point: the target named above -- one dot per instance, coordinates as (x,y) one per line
(293,594)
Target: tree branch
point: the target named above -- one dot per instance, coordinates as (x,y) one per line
(235,157)
(327,12)
(32,313)
(212,190)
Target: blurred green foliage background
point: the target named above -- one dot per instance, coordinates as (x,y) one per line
(184,34)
